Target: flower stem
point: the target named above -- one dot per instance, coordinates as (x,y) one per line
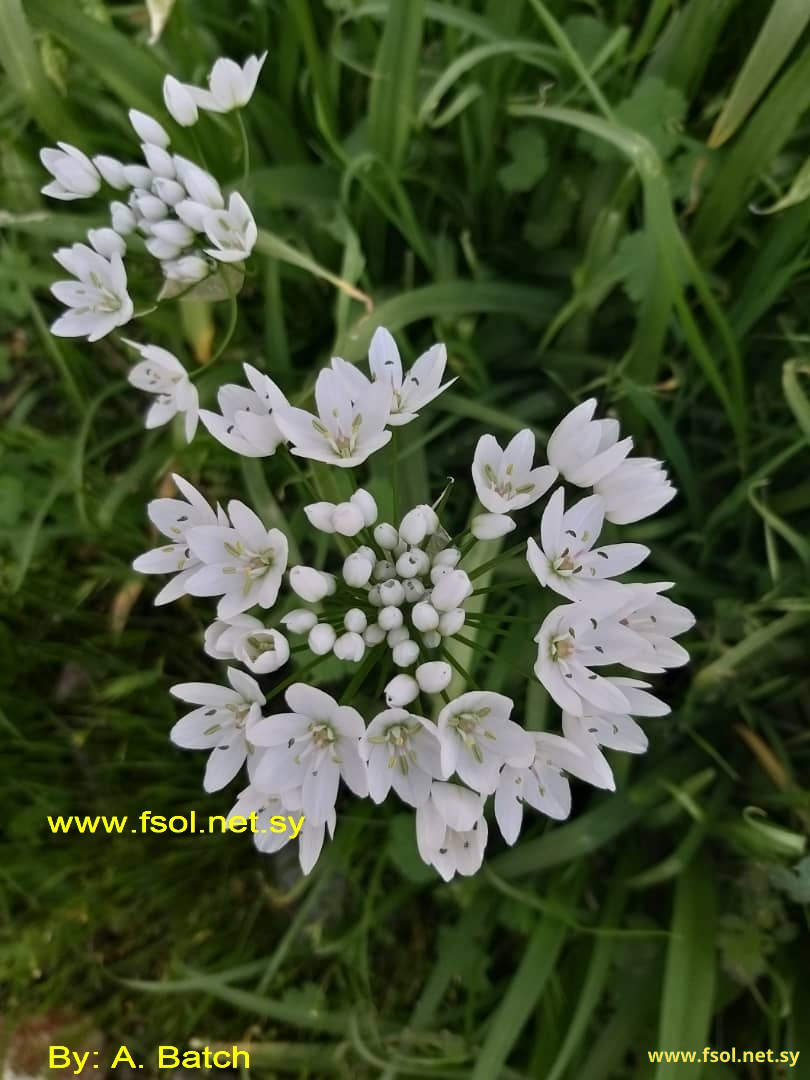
(245,147)
(482,569)
(234,311)
(395,472)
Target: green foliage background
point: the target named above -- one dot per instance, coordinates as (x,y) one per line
(576,197)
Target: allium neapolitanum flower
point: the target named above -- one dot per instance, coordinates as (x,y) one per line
(338,577)
(392,598)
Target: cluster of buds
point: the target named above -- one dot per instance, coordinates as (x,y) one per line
(404,588)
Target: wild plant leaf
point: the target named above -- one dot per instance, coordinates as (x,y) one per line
(529,160)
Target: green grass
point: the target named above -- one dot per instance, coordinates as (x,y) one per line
(531,183)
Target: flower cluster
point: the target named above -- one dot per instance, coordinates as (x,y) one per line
(168,206)
(393,599)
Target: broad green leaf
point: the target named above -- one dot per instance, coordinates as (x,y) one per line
(393,82)
(781,30)
(529,154)
(689,976)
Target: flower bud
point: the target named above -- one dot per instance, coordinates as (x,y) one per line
(425,616)
(112,171)
(188,268)
(451,591)
(390,618)
(401,691)
(106,242)
(200,184)
(162,249)
(394,637)
(321,639)
(447,557)
(347,519)
(373,634)
(438,572)
(364,501)
(451,622)
(392,592)
(262,651)
(169,190)
(192,214)
(405,653)
(349,647)
(299,621)
(179,102)
(311,585)
(148,129)
(138,176)
(431,639)
(491,526)
(173,232)
(374,596)
(434,676)
(416,525)
(123,220)
(319,515)
(356,570)
(414,590)
(412,563)
(386,536)
(355,620)
(160,161)
(383,570)
(151,207)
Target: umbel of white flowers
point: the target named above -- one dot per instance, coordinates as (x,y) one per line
(168,205)
(395,596)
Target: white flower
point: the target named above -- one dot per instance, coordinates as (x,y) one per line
(568,561)
(655,620)
(162,374)
(584,450)
(312,747)
(477,738)
(98,301)
(310,584)
(248,421)
(408,394)
(491,526)
(613,730)
(451,831)
(243,564)
(173,518)
(401,751)
(222,723)
(346,518)
(244,638)
(75,175)
(169,191)
(637,488)
(357,570)
(266,806)
(232,232)
(148,129)
(346,430)
(573,639)
(179,102)
(188,269)
(505,480)
(543,784)
(230,86)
